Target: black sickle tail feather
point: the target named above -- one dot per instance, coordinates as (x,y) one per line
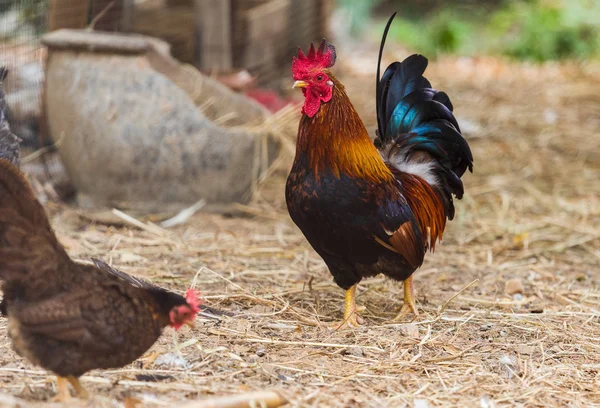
(9,143)
(416,125)
(378,91)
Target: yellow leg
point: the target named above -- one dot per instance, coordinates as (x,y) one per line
(409,300)
(81,392)
(150,359)
(351,318)
(62,390)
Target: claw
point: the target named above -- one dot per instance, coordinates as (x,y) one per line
(409,301)
(352,322)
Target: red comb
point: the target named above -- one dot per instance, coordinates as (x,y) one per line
(323,57)
(192,297)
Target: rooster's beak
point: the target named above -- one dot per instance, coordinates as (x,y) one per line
(190,323)
(299,84)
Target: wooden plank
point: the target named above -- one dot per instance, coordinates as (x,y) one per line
(214,23)
(267,21)
(112,11)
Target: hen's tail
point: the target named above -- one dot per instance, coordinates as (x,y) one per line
(28,245)
(9,143)
(417,132)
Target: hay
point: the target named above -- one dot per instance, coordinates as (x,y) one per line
(531,214)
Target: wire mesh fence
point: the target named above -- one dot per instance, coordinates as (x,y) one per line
(21,25)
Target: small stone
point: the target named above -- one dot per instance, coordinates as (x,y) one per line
(129,257)
(514,286)
(171,360)
(485,327)
(410,330)
(354,351)
(550,116)
(526,349)
(421,403)
(517,297)
(284,378)
(486,402)
(261,352)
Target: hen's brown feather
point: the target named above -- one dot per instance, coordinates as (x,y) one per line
(28,247)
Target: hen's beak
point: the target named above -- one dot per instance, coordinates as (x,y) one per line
(299,84)
(189,323)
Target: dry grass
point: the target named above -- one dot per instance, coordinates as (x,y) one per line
(530,219)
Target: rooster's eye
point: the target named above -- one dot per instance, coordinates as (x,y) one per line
(319,77)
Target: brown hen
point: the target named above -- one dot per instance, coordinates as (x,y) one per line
(70,317)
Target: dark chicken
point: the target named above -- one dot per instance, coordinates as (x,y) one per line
(70,317)
(369,208)
(9,143)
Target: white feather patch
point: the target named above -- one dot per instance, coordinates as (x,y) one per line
(421,169)
(393,154)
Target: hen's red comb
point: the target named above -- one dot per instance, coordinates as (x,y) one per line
(192,297)
(323,57)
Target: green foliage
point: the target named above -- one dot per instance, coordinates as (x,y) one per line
(536,30)
(31,14)
(359,13)
(443,32)
(449,33)
(541,31)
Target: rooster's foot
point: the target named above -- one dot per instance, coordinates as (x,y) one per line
(409,301)
(351,317)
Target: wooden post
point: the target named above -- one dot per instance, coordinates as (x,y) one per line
(327,7)
(214,27)
(128,17)
(68,14)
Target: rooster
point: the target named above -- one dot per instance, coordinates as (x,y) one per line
(369,208)
(71,317)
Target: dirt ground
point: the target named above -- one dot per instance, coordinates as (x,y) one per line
(509,302)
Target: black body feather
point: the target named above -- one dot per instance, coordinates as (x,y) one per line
(341,217)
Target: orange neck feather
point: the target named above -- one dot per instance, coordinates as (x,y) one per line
(336,139)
